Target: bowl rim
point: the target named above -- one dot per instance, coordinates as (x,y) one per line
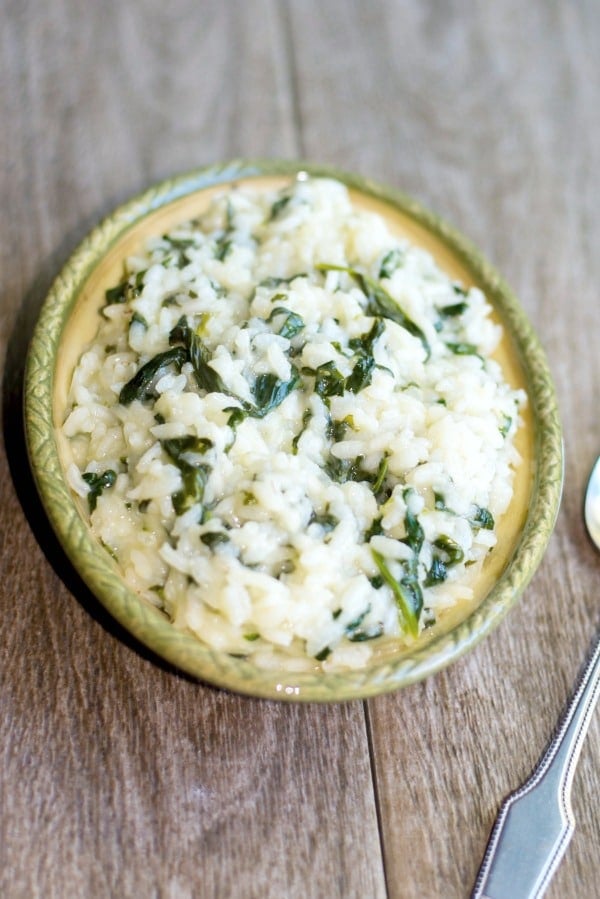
(146,623)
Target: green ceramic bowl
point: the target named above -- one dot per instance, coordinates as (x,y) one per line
(68,319)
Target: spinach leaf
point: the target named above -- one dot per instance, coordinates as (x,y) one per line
(451,554)
(127,290)
(414,532)
(361,374)
(223,247)
(356,632)
(97,483)
(275,281)
(380,475)
(292,324)
(213,538)
(342,470)
(506,425)
(390,262)
(306,417)
(329,381)
(462,349)
(270,392)
(278,206)
(197,354)
(379,302)
(180,246)
(194,476)
(141,386)
(194,480)
(482,518)
(454,309)
(325,519)
(452,551)
(437,573)
(406,592)
(175,447)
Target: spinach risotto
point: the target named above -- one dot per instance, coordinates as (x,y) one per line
(289,430)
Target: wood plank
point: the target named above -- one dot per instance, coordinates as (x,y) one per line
(497,130)
(120,777)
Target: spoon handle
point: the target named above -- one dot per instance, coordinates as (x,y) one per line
(535,823)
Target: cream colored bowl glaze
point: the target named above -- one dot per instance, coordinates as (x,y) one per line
(69,320)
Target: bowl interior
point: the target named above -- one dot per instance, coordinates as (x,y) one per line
(68,322)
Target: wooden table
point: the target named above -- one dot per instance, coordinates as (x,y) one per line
(121,778)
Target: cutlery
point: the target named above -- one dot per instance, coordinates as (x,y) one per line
(535,823)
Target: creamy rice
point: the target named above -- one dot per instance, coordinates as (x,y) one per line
(289,430)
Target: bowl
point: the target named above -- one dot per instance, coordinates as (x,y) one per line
(68,320)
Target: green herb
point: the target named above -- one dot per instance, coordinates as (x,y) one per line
(306,417)
(116,294)
(374,530)
(380,476)
(361,374)
(179,243)
(329,381)
(222,247)
(462,349)
(342,470)
(251,637)
(325,520)
(198,355)
(278,207)
(213,538)
(482,518)
(175,447)
(274,281)
(322,655)
(236,416)
(451,554)
(96,484)
(356,632)
(506,425)
(453,310)
(390,262)
(407,594)
(292,324)
(440,502)
(270,392)
(414,532)
(125,291)
(437,573)
(194,476)
(451,549)
(180,246)
(141,386)
(379,302)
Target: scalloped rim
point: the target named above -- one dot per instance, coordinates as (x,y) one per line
(147,624)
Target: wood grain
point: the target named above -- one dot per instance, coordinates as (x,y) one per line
(120,777)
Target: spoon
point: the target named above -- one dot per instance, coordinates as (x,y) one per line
(535,823)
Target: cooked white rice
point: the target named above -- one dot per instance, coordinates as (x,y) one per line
(290,431)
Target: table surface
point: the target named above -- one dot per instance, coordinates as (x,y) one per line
(121,777)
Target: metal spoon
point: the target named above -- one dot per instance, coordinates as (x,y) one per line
(535,823)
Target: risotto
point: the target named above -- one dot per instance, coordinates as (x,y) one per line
(289,430)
